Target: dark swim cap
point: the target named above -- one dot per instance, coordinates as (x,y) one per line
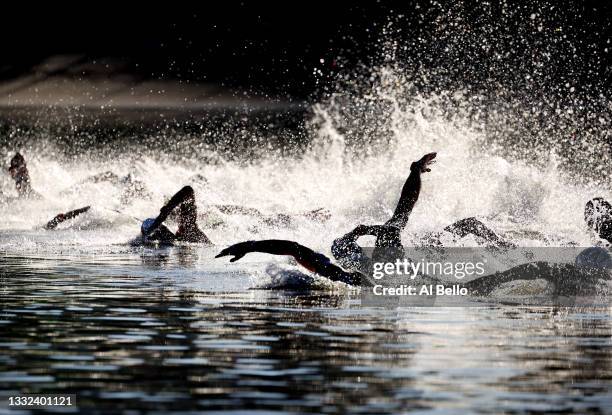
(146,226)
(594,257)
(17,161)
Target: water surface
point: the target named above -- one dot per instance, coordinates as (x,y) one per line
(170,330)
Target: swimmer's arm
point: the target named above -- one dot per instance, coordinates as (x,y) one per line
(410,191)
(62,217)
(306,257)
(269,246)
(181,196)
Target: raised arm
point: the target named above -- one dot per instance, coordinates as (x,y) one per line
(306,257)
(410,191)
(183,195)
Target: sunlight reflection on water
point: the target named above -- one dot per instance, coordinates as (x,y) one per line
(164,340)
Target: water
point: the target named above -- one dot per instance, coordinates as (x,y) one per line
(134,329)
(157,331)
(174,330)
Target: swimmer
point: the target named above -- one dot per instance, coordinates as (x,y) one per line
(350,255)
(20,174)
(346,250)
(598,217)
(153,230)
(132,188)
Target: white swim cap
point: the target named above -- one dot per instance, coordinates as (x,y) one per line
(146,225)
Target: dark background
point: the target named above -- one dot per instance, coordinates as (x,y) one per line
(267,47)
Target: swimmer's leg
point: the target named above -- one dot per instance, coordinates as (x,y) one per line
(473,226)
(62,217)
(410,192)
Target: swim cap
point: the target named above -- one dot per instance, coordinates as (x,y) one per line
(594,257)
(146,226)
(17,161)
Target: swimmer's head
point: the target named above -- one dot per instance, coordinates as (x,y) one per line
(594,257)
(146,226)
(18,166)
(598,214)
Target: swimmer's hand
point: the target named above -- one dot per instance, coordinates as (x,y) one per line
(237,251)
(423,163)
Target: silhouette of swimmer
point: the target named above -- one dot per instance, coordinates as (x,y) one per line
(309,259)
(19,173)
(350,255)
(62,217)
(598,216)
(346,250)
(153,230)
(132,188)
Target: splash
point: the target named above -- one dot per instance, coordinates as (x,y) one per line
(517,148)
(357,177)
